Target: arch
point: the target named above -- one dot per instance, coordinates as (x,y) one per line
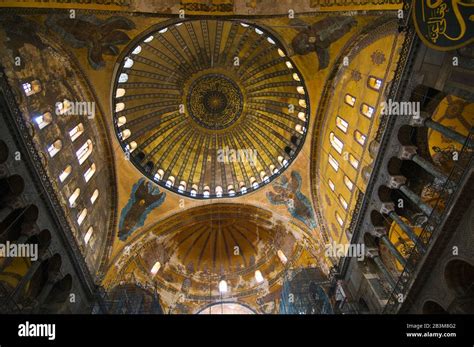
(432,307)
(227,307)
(60,291)
(459,277)
(3,152)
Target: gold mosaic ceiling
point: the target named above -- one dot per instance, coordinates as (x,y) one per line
(210,108)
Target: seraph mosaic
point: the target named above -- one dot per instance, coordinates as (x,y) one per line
(143,199)
(100,37)
(319,36)
(288,192)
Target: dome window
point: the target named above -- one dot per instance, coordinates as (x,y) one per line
(148,39)
(123,78)
(137,50)
(128,63)
(282,256)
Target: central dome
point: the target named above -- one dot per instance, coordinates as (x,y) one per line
(209,108)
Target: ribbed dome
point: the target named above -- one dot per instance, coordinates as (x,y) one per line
(210,108)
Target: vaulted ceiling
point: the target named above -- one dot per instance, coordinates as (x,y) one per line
(171,94)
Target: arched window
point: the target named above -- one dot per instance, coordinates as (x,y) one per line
(342,124)
(43,120)
(223,286)
(253,182)
(65,173)
(336,143)
(170,182)
(159,174)
(374,83)
(339,219)
(230,190)
(258,276)
(77,131)
(121,121)
(155,268)
(343,202)
(119,107)
(206,191)
(88,235)
(282,161)
(120,92)
(131,146)
(348,183)
(54,148)
(94,196)
(63,107)
(333,162)
(125,134)
(123,77)
(182,186)
(73,197)
(367,110)
(137,50)
(84,152)
(90,172)
(128,63)
(354,162)
(194,189)
(282,256)
(350,100)
(359,137)
(32,87)
(300,129)
(81,216)
(331,185)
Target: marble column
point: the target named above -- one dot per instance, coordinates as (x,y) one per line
(409,153)
(398,182)
(389,209)
(381,234)
(425,120)
(373,253)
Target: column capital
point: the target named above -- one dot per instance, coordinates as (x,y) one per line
(29,229)
(395,182)
(378,232)
(372,252)
(387,207)
(420,120)
(407,152)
